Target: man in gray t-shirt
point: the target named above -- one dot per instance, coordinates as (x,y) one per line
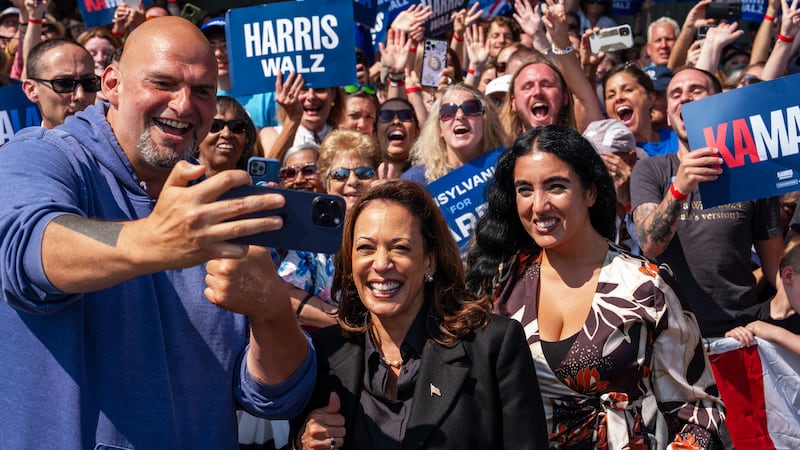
(708,249)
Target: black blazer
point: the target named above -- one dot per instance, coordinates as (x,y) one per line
(489,395)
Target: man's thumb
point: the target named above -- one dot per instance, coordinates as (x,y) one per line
(334,404)
(183,173)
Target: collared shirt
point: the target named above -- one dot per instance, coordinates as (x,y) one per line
(390,417)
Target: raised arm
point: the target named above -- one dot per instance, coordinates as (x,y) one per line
(529,19)
(656,223)
(287,96)
(784,48)
(478,53)
(716,39)
(587,105)
(763,40)
(187,227)
(694,19)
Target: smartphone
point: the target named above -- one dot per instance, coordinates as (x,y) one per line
(434,60)
(724,11)
(702,32)
(611,39)
(263,170)
(312,222)
(191,12)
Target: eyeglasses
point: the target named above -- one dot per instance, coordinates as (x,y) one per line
(470,107)
(501,66)
(388,115)
(309,170)
(237,126)
(353,88)
(342,174)
(68,85)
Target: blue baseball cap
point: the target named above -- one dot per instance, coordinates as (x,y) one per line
(215,25)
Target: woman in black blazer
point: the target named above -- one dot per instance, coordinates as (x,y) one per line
(416,361)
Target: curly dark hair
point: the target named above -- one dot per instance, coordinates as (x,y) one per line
(452,311)
(499,234)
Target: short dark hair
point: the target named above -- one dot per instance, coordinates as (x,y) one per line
(638,74)
(37,64)
(715,83)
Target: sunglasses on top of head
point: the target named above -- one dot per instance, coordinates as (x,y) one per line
(68,85)
(470,107)
(343,173)
(237,126)
(354,88)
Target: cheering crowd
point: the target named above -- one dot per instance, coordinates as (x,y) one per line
(576,317)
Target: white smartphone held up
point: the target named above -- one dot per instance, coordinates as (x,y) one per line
(611,39)
(434,60)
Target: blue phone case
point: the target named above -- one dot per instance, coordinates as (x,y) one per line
(312,222)
(263,170)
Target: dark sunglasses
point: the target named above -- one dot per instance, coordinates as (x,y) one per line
(501,66)
(470,107)
(308,170)
(342,174)
(353,88)
(68,85)
(237,126)
(749,79)
(388,115)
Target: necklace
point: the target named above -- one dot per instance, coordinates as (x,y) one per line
(396,364)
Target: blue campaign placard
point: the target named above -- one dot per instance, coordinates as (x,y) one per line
(16,112)
(313,38)
(97,13)
(441,10)
(757,132)
(461,196)
(364,12)
(754,10)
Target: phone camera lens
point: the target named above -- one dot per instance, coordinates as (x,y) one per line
(624,32)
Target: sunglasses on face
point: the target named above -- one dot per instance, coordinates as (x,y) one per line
(388,115)
(353,88)
(342,174)
(309,170)
(237,126)
(470,107)
(68,85)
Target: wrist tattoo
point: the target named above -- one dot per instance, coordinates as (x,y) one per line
(104,232)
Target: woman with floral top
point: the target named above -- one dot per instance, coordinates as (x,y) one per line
(606,329)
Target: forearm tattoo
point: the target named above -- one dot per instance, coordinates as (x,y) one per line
(105,232)
(660,227)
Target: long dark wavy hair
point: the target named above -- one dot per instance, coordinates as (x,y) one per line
(499,234)
(452,311)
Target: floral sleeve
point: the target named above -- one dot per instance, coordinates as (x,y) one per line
(682,380)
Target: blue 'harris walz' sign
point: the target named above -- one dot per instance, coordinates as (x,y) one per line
(16,112)
(756,130)
(313,38)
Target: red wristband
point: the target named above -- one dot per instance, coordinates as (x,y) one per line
(413,90)
(118,33)
(458,39)
(769,18)
(679,196)
(471,71)
(35,21)
(628,208)
(397,83)
(784,38)
(412,49)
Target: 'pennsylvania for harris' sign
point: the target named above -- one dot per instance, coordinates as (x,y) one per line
(313,38)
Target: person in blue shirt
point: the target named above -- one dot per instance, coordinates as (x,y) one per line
(111,241)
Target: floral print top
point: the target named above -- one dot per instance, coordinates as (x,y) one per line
(637,345)
(311,272)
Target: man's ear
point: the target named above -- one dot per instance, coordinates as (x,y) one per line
(30,89)
(111,83)
(787,275)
